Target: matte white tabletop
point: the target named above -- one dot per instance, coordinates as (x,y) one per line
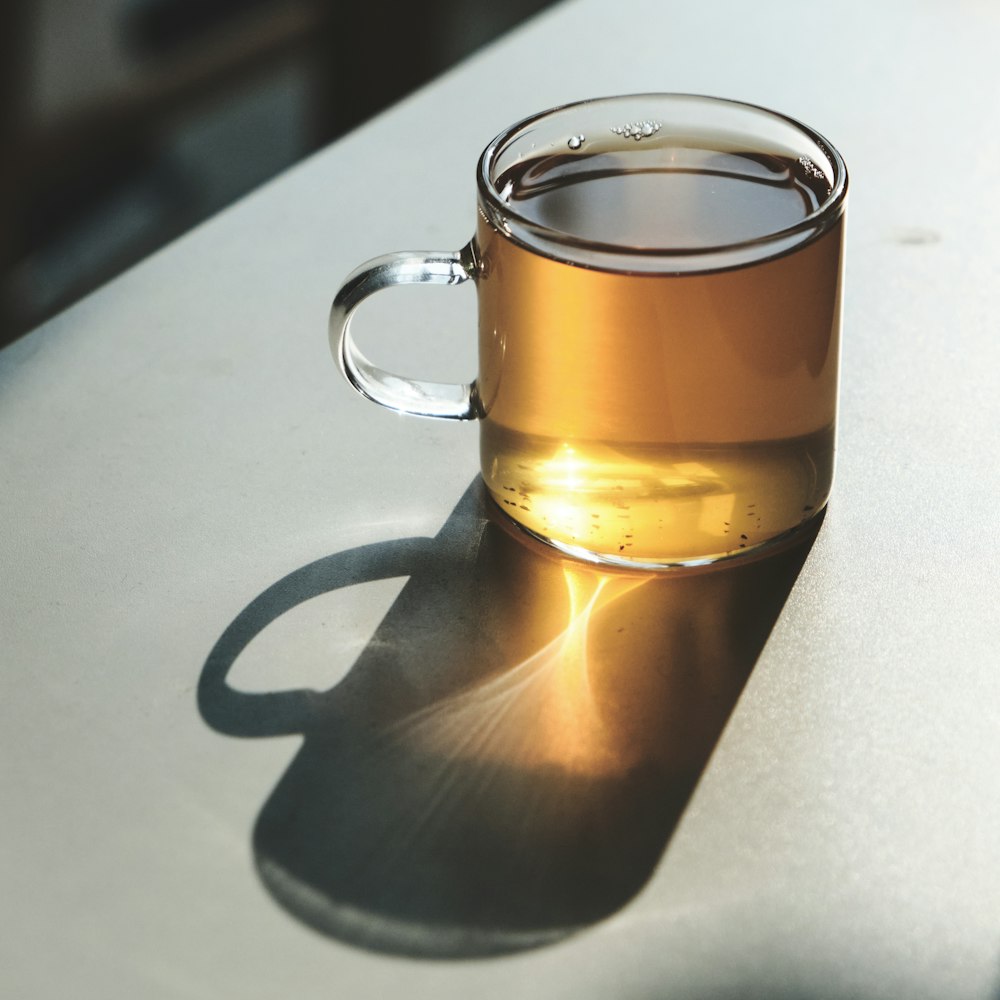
(192,496)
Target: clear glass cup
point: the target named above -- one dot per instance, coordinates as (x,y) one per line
(659,283)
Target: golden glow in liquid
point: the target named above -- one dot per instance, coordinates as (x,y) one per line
(638,505)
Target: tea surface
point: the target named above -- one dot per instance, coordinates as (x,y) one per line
(664,197)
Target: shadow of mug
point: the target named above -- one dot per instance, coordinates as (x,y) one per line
(506,760)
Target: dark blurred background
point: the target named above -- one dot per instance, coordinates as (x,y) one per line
(125,122)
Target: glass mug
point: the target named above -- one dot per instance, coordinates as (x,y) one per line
(659,286)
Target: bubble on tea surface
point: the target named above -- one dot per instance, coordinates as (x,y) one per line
(576,141)
(638,130)
(810,168)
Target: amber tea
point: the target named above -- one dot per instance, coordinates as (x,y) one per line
(656,416)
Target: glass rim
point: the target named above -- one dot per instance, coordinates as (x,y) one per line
(500,213)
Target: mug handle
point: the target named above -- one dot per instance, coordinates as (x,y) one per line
(447,400)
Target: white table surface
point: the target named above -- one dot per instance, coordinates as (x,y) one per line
(179,443)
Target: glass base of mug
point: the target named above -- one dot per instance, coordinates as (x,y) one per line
(776,543)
